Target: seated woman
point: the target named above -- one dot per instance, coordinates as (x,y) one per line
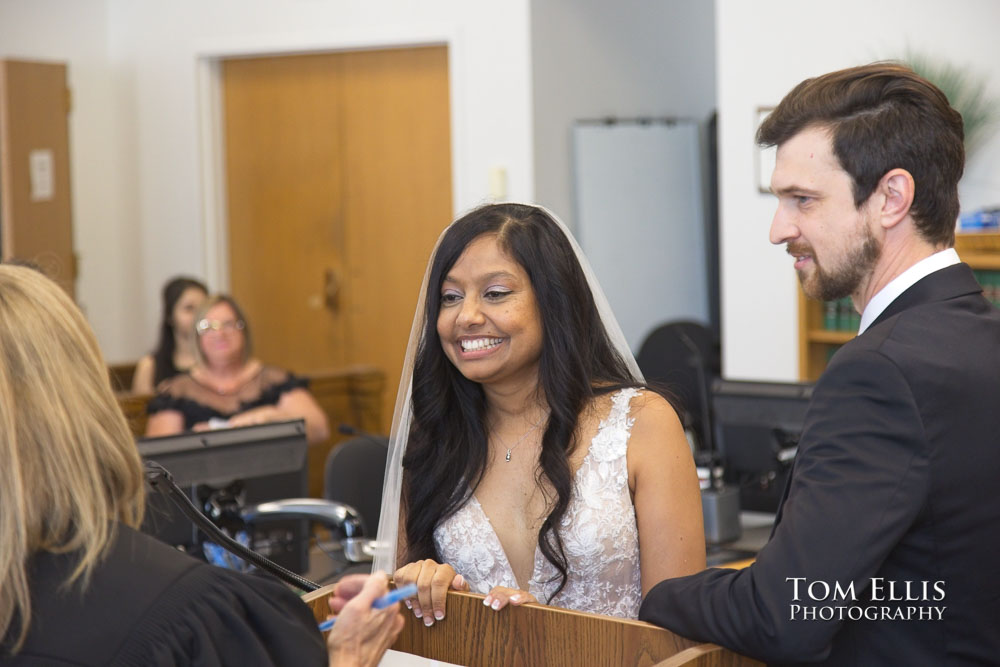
(79,584)
(175,350)
(227,387)
(536,461)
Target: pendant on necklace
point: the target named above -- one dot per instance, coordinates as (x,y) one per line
(508,455)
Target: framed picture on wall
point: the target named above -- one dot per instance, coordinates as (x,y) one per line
(765,156)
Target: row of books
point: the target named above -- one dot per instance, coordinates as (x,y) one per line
(840,315)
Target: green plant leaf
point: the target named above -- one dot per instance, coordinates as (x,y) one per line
(966,91)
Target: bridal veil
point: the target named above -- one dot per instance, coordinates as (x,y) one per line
(388,527)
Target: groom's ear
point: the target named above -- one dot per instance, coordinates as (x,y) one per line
(896,191)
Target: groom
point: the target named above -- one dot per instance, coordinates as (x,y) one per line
(886,549)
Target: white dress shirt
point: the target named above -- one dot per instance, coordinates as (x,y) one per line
(904,281)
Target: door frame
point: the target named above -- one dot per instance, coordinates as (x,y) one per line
(211,146)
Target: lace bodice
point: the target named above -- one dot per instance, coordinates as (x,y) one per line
(599,533)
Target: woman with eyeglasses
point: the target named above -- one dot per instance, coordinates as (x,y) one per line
(227,387)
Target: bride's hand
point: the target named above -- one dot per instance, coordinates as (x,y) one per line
(500,596)
(433,581)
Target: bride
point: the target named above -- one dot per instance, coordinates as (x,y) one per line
(529,462)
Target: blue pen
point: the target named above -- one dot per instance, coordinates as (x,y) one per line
(389,598)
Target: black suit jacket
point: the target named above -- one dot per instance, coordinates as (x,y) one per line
(897,479)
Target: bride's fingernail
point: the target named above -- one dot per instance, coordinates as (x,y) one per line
(516,597)
(496,604)
(408,604)
(487,600)
(461,581)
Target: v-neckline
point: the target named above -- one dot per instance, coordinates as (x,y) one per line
(539,559)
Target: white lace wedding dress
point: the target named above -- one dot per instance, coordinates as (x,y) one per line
(598,530)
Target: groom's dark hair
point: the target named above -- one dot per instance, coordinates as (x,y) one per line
(881,117)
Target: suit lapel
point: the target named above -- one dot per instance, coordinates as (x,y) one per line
(950,282)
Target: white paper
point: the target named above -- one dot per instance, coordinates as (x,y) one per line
(42,170)
(400,659)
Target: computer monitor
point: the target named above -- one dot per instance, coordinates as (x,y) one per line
(241,466)
(757,427)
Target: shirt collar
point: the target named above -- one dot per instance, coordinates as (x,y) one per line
(903,282)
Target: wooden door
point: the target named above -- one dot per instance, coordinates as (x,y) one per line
(283,168)
(36,222)
(339,181)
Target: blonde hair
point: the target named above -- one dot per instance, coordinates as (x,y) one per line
(70,468)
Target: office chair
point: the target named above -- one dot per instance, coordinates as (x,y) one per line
(353,477)
(683,358)
(354,473)
(352,488)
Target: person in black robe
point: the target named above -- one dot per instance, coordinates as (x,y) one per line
(79,584)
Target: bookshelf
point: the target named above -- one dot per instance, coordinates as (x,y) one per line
(824,327)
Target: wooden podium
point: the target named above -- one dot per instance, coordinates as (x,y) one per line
(474,635)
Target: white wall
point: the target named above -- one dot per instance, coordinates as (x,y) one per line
(766,47)
(135,149)
(105,230)
(594,59)
(138,161)
(162,45)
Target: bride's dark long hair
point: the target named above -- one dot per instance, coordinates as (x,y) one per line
(447,449)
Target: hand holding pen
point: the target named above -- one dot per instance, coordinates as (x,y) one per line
(390,598)
(362,633)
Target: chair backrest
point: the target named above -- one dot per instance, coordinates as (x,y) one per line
(683,357)
(134,407)
(354,472)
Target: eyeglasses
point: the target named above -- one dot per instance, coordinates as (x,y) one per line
(204,326)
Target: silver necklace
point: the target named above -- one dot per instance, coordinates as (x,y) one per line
(519,440)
